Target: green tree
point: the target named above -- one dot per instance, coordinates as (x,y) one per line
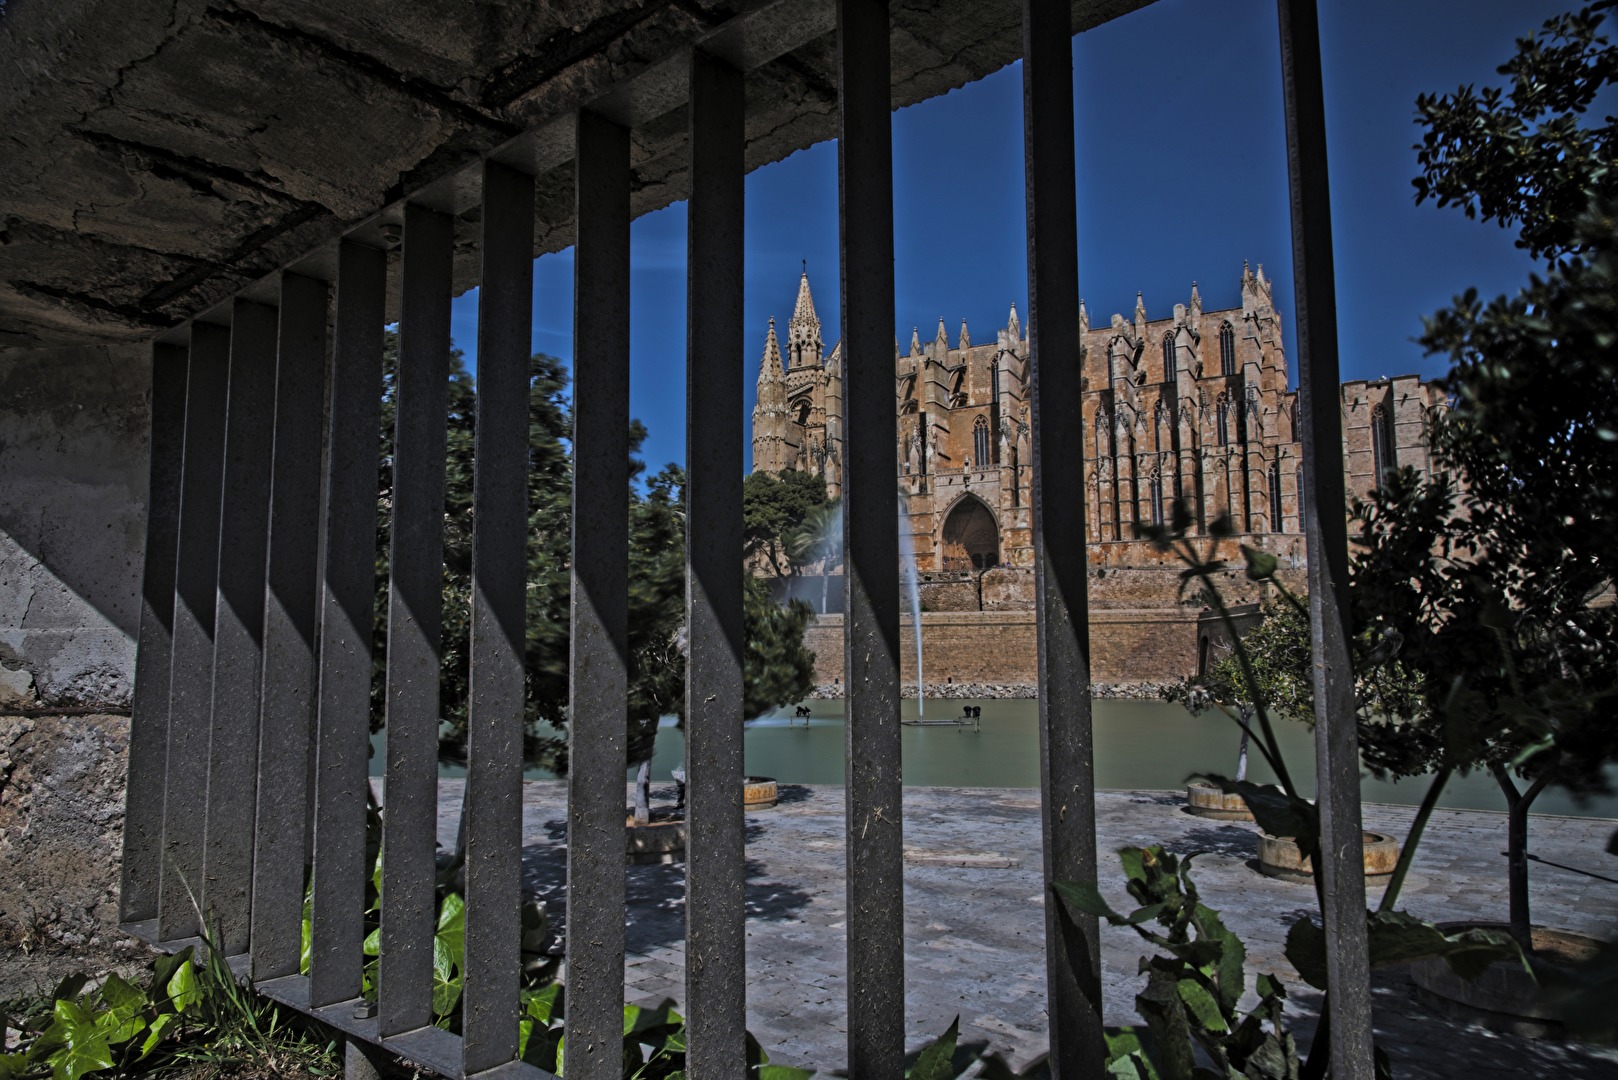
(1493,578)
(1524,154)
(777,667)
(774,505)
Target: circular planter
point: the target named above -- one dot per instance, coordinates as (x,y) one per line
(759,793)
(656,842)
(1280,857)
(1505,997)
(1205,800)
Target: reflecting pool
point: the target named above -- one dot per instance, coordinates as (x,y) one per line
(1149,745)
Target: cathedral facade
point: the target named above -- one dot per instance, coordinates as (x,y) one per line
(1195,406)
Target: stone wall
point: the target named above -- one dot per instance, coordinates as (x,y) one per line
(72,523)
(61,831)
(1128,646)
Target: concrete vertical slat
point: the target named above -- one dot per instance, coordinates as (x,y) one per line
(149,711)
(598,667)
(415,619)
(1067,754)
(347,598)
(287,708)
(195,594)
(716,973)
(244,522)
(499,608)
(1337,760)
(875,837)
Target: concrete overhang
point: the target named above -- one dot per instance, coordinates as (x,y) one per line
(164,155)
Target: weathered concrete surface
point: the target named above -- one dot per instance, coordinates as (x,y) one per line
(974,927)
(73,435)
(61,827)
(161,154)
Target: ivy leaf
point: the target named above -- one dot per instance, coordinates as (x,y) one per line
(936,1058)
(82,1044)
(123,1020)
(154,1034)
(183,989)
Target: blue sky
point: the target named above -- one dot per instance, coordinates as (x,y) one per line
(1182,176)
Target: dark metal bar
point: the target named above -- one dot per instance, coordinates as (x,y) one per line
(149,712)
(599,670)
(1067,776)
(716,943)
(287,713)
(238,658)
(415,618)
(195,592)
(870,545)
(499,606)
(343,733)
(1337,759)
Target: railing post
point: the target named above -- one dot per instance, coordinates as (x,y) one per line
(1067,776)
(716,943)
(149,714)
(1337,761)
(347,597)
(195,593)
(286,720)
(499,609)
(598,679)
(871,546)
(244,519)
(415,602)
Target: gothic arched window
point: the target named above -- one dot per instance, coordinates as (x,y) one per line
(1382,443)
(1275,496)
(1227,349)
(1171,365)
(1300,498)
(1162,433)
(980,443)
(1222,414)
(1157,498)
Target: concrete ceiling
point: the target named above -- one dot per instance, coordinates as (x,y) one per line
(161,155)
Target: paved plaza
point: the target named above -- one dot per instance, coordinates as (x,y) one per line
(974,927)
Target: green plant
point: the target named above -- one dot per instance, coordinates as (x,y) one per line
(1193,984)
(184,1012)
(1280,810)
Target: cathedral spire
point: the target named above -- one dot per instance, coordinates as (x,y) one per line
(941,339)
(915,341)
(966,339)
(770,370)
(803,332)
(1013,327)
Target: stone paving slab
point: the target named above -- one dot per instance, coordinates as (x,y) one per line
(974,924)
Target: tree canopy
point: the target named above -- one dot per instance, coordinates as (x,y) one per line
(774,508)
(777,667)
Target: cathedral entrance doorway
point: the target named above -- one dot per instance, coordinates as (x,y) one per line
(971,537)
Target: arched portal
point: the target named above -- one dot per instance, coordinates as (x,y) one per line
(971,537)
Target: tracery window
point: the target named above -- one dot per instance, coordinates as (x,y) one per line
(1157,498)
(1161,432)
(980,443)
(1171,365)
(1275,496)
(1222,420)
(1227,349)
(1382,450)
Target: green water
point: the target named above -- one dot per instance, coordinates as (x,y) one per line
(1139,745)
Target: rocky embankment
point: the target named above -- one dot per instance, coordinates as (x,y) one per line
(995,691)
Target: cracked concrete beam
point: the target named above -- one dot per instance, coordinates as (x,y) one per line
(210,141)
